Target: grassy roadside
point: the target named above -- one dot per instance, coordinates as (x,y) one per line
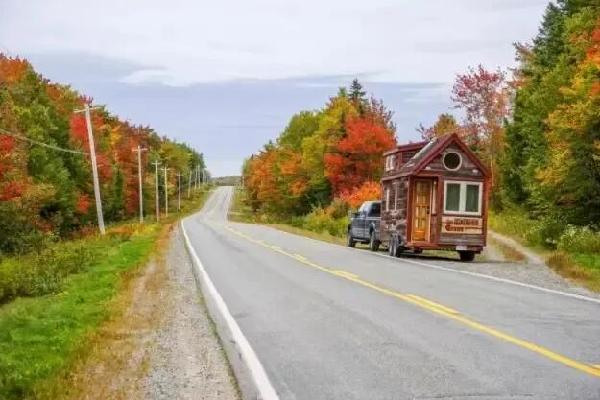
(241,212)
(572,252)
(43,336)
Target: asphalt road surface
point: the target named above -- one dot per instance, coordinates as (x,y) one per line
(329,322)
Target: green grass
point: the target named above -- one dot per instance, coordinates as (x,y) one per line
(44,333)
(38,335)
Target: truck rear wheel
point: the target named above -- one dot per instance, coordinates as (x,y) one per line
(373,243)
(350,240)
(466,255)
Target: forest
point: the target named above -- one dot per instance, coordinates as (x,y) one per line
(46,190)
(536,126)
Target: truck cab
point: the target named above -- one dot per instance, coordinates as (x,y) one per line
(364,225)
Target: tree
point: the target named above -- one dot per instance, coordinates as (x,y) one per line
(445,124)
(484,98)
(357,157)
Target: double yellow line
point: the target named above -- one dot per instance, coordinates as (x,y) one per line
(432,306)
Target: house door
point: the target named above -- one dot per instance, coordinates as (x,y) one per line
(421,210)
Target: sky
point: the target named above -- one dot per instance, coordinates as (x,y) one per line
(225,76)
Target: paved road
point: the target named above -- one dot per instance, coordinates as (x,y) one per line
(329,322)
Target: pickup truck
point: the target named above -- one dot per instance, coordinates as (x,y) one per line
(364,225)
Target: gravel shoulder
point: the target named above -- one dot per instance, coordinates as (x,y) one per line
(187,361)
(161,344)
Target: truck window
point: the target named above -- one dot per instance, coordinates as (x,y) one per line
(375,210)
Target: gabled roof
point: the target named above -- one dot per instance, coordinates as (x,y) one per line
(406,147)
(433,149)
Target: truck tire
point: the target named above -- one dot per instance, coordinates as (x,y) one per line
(373,243)
(466,255)
(350,240)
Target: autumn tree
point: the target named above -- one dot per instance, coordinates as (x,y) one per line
(483,96)
(357,157)
(445,124)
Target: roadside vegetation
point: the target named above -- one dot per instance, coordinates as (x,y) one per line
(58,278)
(572,251)
(46,191)
(535,127)
(54,301)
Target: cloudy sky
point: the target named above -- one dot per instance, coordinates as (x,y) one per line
(226,75)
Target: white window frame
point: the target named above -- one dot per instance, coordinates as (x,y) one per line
(389,162)
(462,199)
(387,198)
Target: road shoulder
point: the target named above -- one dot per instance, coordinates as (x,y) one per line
(162,345)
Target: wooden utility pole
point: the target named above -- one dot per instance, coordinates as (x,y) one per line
(189,184)
(178,191)
(139,151)
(166,191)
(88,121)
(156,164)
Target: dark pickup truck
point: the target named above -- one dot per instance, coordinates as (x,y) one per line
(364,225)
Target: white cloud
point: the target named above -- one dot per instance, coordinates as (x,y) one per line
(184,42)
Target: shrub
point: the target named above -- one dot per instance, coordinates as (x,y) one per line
(44,272)
(318,220)
(545,232)
(337,209)
(579,240)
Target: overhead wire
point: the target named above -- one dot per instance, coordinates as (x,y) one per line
(36,142)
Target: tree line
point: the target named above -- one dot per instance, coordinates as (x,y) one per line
(46,187)
(536,126)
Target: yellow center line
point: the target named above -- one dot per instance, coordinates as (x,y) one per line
(435,308)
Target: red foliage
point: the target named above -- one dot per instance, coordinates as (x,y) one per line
(7,144)
(11,190)
(357,157)
(83,203)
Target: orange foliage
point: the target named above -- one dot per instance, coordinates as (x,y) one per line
(12,69)
(367,191)
(83,204)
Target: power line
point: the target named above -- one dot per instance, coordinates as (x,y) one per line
(50,146)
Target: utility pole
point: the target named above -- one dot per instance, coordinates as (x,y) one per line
(166,191)
(178,191)
(88,122)
(139,151)
(189,184)
(156,164)
(197,176)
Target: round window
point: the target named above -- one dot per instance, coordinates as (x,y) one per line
(452,161)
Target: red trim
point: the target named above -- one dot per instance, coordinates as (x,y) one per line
(441,145)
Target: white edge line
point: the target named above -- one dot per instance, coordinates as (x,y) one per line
(477,274)
(257,371)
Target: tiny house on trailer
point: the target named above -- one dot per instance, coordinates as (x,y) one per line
(434,196)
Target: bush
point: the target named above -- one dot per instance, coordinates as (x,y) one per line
(579,240)
(318,220)
(514,222)
(545,232)
(44,272)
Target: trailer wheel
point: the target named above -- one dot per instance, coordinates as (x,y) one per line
(373,243)
(466,255)
(350,240)
(394,247)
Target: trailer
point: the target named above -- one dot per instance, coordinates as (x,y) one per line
(434,196)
